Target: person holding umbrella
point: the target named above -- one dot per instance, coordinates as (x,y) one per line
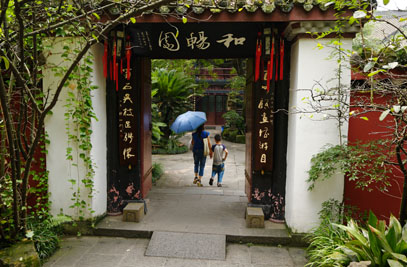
(190,121)
(198,152)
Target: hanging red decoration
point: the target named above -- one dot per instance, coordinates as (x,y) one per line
(117,77)
(270,65)
(258,56)
(111,70)
(114,59)
(121,66)
(105,59)
(128,57)
(281,58)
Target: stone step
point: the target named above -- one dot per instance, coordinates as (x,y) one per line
(273,237)
(187,246)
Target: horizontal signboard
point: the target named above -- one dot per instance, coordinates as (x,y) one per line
(194,40)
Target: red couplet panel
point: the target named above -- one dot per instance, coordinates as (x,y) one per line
(381,203)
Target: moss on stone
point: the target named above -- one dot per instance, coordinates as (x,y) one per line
(20,254)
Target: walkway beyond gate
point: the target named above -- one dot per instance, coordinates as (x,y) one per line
(175,204)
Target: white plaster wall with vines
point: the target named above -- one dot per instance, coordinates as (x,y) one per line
(61,170)
(308,132)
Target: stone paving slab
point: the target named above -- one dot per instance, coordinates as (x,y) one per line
(187,246)
(91,251)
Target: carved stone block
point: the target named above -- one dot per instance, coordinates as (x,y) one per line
(254,217)
(133,212)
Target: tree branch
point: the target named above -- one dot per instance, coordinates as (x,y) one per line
(62,23)
(19,78)
(14,157)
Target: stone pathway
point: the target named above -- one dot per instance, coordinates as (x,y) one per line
(178,206)
(116,251)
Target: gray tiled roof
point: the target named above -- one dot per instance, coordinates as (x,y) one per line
(384,31)
(216,6)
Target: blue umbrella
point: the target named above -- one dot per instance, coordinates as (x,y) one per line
(188,121)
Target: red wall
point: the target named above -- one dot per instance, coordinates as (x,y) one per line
(382,204)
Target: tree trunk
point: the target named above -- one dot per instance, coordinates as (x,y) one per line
(403,211)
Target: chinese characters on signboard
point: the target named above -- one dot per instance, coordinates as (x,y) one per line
(127,125)
(162,40)
(196,40)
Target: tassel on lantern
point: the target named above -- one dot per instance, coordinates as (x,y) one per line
(114,59)
(111,70)
(271,65)
(258,56)
(128,57)
(117,77)
(281,58)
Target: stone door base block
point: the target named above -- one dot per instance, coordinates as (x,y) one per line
(254,217)
(133,212)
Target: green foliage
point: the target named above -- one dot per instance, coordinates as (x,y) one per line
(327,240)
(78,120)
(45,234)
(382,245)
(325,244)
(157,171)
(174,91)
(241,139)
(170,146)
(234,121)
(371,53)
(235,101)
(362,163)
(156,123)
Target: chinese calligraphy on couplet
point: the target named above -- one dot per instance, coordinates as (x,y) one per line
(263,128)
(127,125)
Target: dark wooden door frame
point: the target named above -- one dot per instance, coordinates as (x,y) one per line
(272,184)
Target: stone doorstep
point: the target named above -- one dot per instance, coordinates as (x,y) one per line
(133,212)
(254,217)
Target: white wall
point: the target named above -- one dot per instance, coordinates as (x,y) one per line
(98,138)
(307,136)
(60,169)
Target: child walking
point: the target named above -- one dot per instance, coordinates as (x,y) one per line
(220,153)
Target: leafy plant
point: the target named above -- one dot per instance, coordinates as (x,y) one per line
(171,146)
(157,171)
(362,163)
(382,245)
(174,90)
(156,123)
(327,239)
(45,234)
(234,121)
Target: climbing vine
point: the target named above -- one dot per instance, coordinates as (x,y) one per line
(78,121)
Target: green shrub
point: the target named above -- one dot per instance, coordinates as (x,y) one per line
(362,163)
(45,234)
(170,146)
(225,133)
(157,171)
(241,139)
(235,121)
